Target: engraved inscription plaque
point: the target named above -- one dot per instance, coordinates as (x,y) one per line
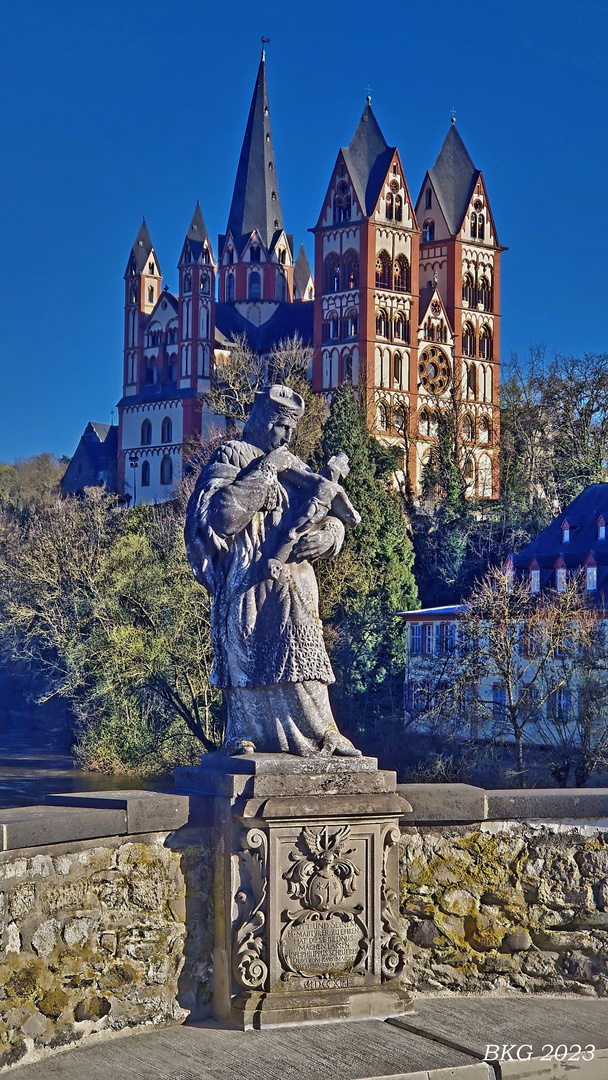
(320,946)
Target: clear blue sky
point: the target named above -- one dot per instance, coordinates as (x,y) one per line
(112,110)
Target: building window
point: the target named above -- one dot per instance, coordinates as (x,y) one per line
(400,419)
(389,206)
(428,231)
(484,430)
(350,263)
(416,639)
(331,274)
(166,431)
(428,638)
(480,227)
(352,324)
(255,286)
(565,532)
(591,578)
(467,429)
(187,255)
(398,208)
(230,256)
(230,287)
(561,579)
(485,343)
(499,701)
(424,423)
(166,471)
(534,581)
(145,474)
(205,285)
(468,340)
(347,368)
(254,254)
(281,286)
(150,267)
(601,529)
(146,433)
(334,327)
(383,270)
(473,226)
(150,294)
(402,274)
(397,368)
(382,324)
(484,294)
(468,289)
(428,199)
(381,416)
(187,283)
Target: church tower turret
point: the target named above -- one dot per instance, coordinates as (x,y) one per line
(143,283)
(256,255)
(196,324)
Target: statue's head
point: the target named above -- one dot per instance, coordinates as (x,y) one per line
(274,417)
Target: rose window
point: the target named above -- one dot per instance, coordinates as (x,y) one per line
(434,371)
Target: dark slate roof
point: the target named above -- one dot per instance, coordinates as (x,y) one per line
(581,515)
(454,177)
(301,272)
(434,612)
(256,178)
(142,246)
(288,319)
(197,229)
(94,461)
(101,430)
(368,157)
(168,391)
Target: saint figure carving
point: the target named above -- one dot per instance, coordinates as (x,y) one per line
(256,522)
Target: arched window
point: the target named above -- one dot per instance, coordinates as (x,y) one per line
(481,227)
(206,256)
(428,199)
(398,208)
(331,273)
(471,380)
(166,470)
(424,426)
(230,287)
(342,203)
(433,424)
(484,477)
(352,324)
(484,430)
(334,326)
(473,226)
(381,324)
(255,285)
(230,256)
(397,368)
(484,294)
(254,254)
(469,475)
(442,333)
(468,340)
(187,283)
(146,433)
(145,474)
(347,367)
(467,429)
(429,330)
(428,231)
(205,284)
(383,270)
(133,294)
(350,269)
(187,255)
(282,256)
(468,289)
(400,419)
(281,286)
(402,274)
(166,431)
(485,343)
(389,206)
(381,416)
(150,294)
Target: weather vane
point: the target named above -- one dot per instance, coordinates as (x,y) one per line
(453,112)
(368,91)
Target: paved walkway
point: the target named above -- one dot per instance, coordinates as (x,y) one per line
(441,1039)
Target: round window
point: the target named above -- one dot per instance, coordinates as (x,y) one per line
(434,371)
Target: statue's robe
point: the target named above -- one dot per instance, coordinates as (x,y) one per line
(269,655)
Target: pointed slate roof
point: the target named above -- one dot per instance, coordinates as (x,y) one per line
(197,229)
(142,246)
(253,206)
(454,177)
(367,158)
(302,272)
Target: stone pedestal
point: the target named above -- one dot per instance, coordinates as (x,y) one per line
(306,888)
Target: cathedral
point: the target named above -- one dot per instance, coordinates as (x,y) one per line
(404,303)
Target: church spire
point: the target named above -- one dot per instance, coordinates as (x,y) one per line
(255,202)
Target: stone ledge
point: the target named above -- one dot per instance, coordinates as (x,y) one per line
(466,804)
(444,802)
(146,811)
(40,826)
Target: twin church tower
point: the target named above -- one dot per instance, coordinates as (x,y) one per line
(403,303)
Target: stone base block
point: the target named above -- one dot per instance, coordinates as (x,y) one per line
(306,888)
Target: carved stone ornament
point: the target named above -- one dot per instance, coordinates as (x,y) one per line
(393,949)
(325,935)
(250,965)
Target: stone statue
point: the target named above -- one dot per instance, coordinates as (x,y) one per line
(257,520)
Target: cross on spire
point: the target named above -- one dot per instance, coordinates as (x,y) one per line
(453,115)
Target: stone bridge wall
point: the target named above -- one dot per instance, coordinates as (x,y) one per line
(106,902)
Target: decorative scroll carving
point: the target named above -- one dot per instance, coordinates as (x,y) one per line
(249,945)
(392,947)
(324,935)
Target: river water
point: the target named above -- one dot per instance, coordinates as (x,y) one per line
(35,761)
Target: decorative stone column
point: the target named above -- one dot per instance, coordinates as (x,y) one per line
(306,888)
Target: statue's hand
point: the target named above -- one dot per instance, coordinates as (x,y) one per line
(313,545)
(282,459)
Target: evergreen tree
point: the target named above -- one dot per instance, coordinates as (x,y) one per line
(371,579)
